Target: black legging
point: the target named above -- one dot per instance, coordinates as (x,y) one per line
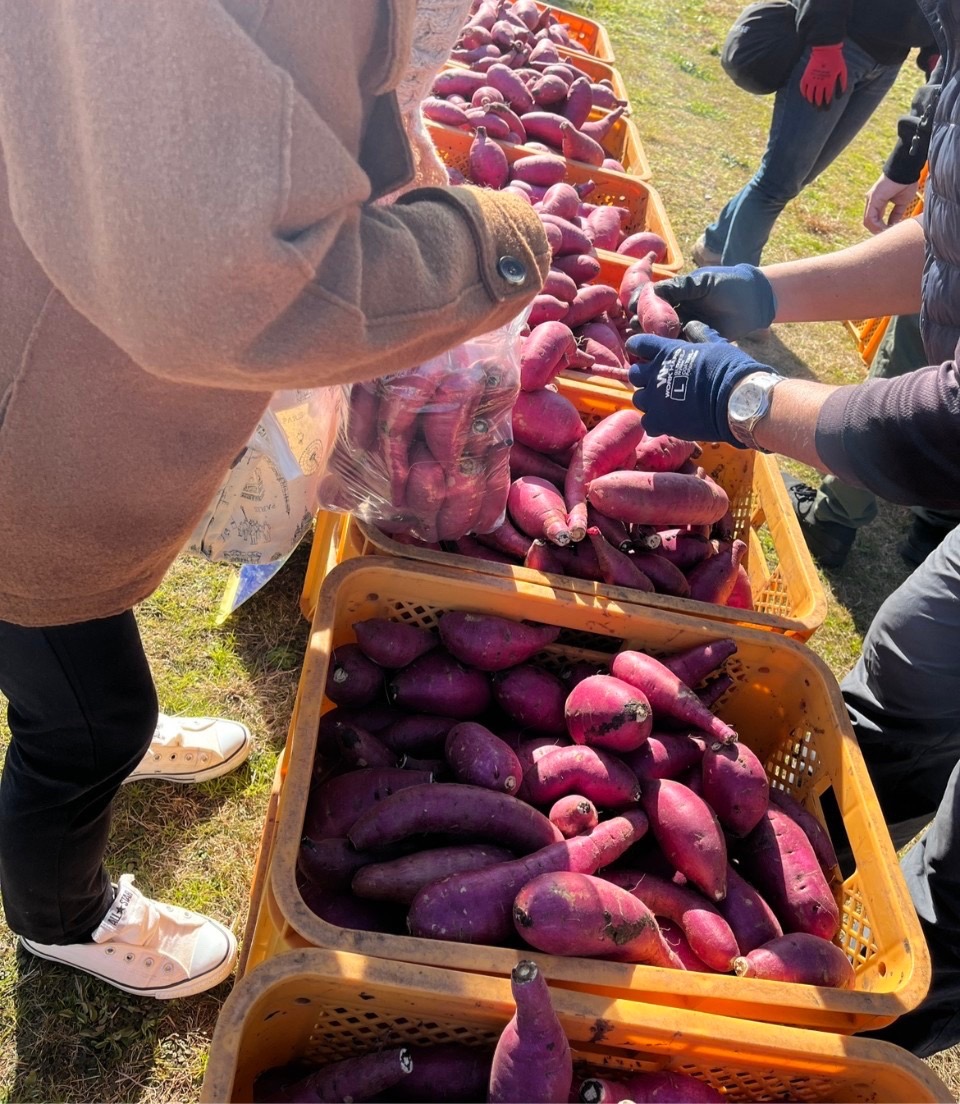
(82,710)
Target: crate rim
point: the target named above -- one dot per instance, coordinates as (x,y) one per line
(864,1008)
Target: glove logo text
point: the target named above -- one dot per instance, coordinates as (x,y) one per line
(675,372)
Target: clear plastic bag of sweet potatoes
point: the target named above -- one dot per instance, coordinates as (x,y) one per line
(426,452)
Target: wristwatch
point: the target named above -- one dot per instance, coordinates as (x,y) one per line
(749,402)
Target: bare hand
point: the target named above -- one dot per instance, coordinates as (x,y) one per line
(883,194)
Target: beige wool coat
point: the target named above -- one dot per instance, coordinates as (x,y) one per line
(187,225)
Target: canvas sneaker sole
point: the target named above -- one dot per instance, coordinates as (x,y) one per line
(187,987)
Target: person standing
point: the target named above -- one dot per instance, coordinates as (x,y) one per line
(852,53)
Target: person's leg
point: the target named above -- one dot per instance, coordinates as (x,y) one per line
(82,709)
(799,136)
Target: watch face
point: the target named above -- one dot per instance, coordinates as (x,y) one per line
(745,401)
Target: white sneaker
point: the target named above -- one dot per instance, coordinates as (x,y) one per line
(148,948)
(702,256)
(193,749)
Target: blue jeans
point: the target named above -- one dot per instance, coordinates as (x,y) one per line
(803,141)
(903,698)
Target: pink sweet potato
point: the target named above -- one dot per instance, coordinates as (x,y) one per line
(777,858)
(574,240)
(537,508)
(402,879)
(488,163)
(362,410)
(666,577)
(392,643)
(713,579)
(667,694)
(657,498)
(664,755)
(581,267)
(693,664)
(533,697)
(656,315)
(478,757)
(605,779)
(750,918)
(683,548)
(545,352)
(532,1059)
(812,828)
(492,643)
(735,786)
(689,834)
(617,568)
(539,168)
(546,421)
(455,809)
(801,958)
(605,712)
(603,449)
(568,913)
(573,815)
(664,453)
(710,937)
(439,683)
(562,287)
(528,461)
(591,303)
(438,910)
(543,556)
(506,538)
(561,200)
(516,93)
(741,596)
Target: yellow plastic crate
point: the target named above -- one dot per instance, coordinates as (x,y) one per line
(641,199)
(786,706)
(323,1006)
(788,594)
(589,34)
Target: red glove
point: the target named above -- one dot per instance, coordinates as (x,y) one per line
(825,75)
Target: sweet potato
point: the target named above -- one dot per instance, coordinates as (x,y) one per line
(402,879)
(537,508)
(545,352)
(592,302)
(352,678)
(683,548)
(444,1072)
(532,1060)
(567,913)
(439,683)
(689,833)
(664,755)
(455,809)
(799,957)
(778,859)
(657,498)
(392,643)
(359,748)
(574,240)
(667,694)
(573,815)
(741,596)
(579,102)
(812,828)
(417,733)
(506,538)
(539,168)
(617,568)
(533,697)
(561,200)
(750,918)
(438,911)
(543,556)
(478,757)
(603,449)
(489,167)
(357,1078)
(642,244)
(562,287)
(330,862)
(492,643)
(605,779)
(655,1087)
(516,93)
(656,315)
(333,805)
(666,577)
(713,579)
(546,421)
(710,936)
(693,664)
(639,274)
(343,910)
(664,453)
(581,267)
(528,461)
(714,689)
(606,712)
(735,786)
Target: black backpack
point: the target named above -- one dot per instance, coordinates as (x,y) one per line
(762,47)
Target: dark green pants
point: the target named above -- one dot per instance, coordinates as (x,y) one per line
(900,351)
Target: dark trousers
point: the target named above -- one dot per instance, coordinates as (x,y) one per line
(82,710)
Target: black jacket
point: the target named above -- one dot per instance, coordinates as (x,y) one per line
(886,29)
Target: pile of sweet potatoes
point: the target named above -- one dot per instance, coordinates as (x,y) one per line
(531,1063)
(604,811)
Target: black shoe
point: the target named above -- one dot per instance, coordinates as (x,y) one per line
(922,538)
(828,541)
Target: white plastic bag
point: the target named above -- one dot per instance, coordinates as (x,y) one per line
(269,497)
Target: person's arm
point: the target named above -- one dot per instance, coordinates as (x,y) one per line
(183,194)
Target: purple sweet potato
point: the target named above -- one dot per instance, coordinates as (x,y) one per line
(693,664)
(573,815)
(714,689)
(713,579)
(533,697)
(439,683)
(751,919)
(667,694)
(479,758)
(330,862)
(735,786)
(492,643)
(664,755)
(778,859)
(683,548)
(454,809)
(359,748)
(357,1078)
(812,829)
(343,910)
(476,907)
(417,733)
(616,567)
(605,712)
(604,778)
(446,1073)
(799,957)
(566,913)
(402,879)
(333,805)
(352,678)
(666,577)
(710,936)
(532,1060)
(655,1087)
(689,833)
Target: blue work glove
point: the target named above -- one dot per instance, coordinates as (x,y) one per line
(683,388)
(734,300)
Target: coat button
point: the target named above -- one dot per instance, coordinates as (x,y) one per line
(514,271)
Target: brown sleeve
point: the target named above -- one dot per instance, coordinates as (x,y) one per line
(185,197)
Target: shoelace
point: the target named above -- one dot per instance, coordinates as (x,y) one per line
(804,497)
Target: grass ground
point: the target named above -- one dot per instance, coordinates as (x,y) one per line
(64,1037)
